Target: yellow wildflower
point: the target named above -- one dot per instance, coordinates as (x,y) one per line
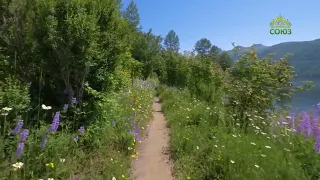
(50,165)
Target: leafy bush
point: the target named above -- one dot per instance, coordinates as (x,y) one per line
(253,85)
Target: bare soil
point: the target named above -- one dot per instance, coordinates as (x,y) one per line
(153,162)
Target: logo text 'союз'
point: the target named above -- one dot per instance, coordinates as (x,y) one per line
(280,25)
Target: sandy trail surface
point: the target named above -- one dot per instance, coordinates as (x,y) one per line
(153,162)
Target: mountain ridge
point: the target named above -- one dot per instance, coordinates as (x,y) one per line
(305,55)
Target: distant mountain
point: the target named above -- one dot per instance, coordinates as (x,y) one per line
(305,55)
(241,50)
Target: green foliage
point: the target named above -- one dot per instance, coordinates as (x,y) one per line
(219,125)
(254,85)
(224,61)
(203,46)
(57,46)
(214,51)
(14,93)
(147,51)
(85,56)
(204,147)
(304,57)
(171,41)
(58,52)
(61,46)
(176,70)
(132,15)
(202,79)
(105,146)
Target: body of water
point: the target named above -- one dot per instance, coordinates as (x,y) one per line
(306,101)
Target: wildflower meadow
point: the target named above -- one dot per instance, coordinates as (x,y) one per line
(77,82)
(60,150)
(279,147)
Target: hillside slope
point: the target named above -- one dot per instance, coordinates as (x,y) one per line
(305,55)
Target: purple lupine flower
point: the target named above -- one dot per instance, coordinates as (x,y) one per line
(137,133)
(299,128)
(18,127)
(113,123)
(131,132)
(65,107)
(23,135)
(55,123)
(305,125)
(19,149)
(137,136)
(317,141)
(75,139)
(81,130)
(314,125)
(74,100)
(44,141)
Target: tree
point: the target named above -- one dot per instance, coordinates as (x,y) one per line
(146,50)
(214,51)
(132,15)
(171,41)
(202,47)
(225,61)
(188,54)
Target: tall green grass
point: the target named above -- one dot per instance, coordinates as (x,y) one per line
(103,151)
(207,145)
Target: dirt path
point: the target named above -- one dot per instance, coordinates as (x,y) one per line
(153,162)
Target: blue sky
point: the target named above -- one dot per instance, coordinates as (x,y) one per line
(244,22)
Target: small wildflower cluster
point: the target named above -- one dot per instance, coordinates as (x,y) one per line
(5,111)
(17,166)
(44,107)
(55,123)
(22,135)
(18,127)
(81,132)
(307,126)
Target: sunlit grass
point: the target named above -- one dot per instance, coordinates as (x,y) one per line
(205,147)
(101,150)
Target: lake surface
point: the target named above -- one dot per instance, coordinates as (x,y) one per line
(305,101)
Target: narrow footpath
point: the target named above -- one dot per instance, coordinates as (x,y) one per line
(153,162)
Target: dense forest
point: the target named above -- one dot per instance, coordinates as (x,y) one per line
(77,78)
